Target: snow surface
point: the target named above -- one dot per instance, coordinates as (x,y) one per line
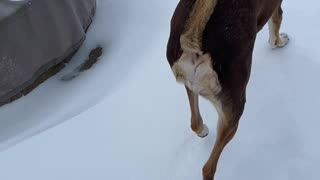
(127,118)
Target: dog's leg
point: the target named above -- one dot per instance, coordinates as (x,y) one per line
(227,127)
(230,104)
(196,120)
(276,39)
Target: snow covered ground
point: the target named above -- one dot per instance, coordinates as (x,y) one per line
(126,118)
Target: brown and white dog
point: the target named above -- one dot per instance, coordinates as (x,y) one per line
(210,52)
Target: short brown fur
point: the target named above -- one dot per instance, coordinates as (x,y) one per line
(191,38)
(225,30)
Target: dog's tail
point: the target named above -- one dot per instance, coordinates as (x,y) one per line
(191,38)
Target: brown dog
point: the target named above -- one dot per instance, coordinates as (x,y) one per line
(210,52)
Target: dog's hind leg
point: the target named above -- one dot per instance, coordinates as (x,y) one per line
(229,116)
(230,109)
(276,39)
(196,120)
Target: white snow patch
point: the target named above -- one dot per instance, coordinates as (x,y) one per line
(128,119)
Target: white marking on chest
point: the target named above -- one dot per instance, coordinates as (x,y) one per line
(197,74)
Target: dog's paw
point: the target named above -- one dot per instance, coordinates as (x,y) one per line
(280,42)
(204,132)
